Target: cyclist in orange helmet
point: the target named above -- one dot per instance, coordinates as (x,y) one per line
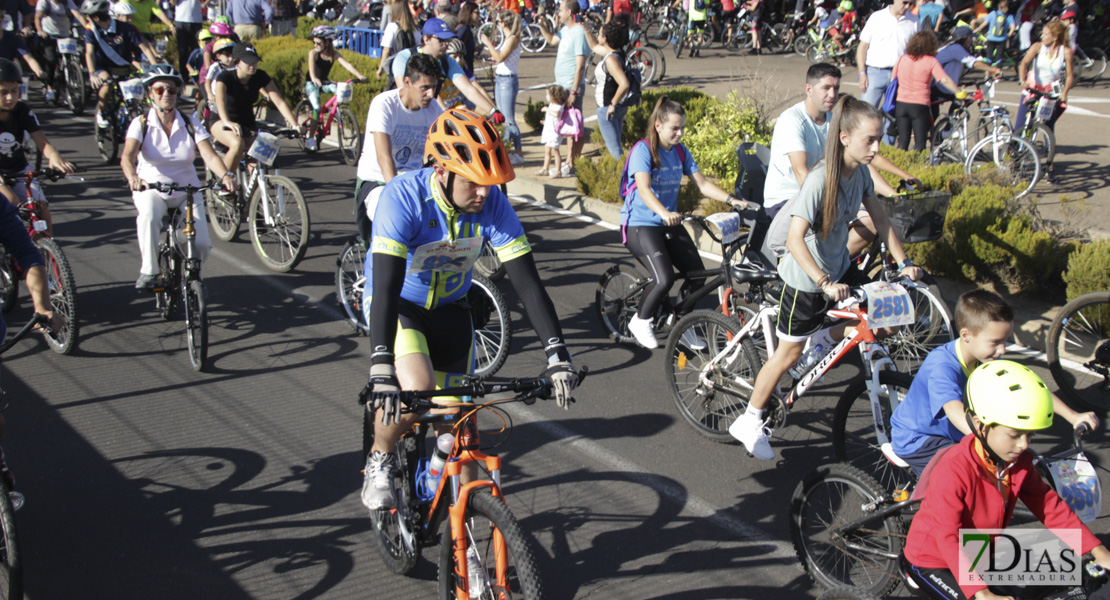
(428,231)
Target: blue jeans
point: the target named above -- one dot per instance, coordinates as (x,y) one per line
(611,128)
(313,92)
(504,94)
(877,82)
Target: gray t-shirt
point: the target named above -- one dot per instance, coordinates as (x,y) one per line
(831,252)
(55,16)
(795,131)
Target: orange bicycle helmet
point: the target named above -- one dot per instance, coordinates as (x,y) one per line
(465,143)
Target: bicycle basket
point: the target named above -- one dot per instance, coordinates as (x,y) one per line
(344,91)
(918,217)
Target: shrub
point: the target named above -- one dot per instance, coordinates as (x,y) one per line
(636,119)
(533,114)
(305,26)
(722,127)
(1088,269)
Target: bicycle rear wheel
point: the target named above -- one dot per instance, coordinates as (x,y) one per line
(1044,142)
(63,295)
(845,592)
(943,145)
(280,242)
(1078,349)
(349,282)
(617,299)
(531,38)
(106,143)
(505,561)
(11,560)
(224,214)
(393,528)
(643,60)
(350,137)
(493,330)
(196,321)
(166,296)
(694,342)
(866,557)
(854,437)
(76,95)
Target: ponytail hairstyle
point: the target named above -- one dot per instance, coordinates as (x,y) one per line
(511,20)
(847,115)
(664,108)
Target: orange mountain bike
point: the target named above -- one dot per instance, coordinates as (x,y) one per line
(483,551)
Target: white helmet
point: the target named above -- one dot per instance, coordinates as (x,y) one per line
(121,9)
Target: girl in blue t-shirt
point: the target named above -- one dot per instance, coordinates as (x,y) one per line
(655,233)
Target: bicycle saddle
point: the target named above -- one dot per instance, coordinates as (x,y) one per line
(754,267)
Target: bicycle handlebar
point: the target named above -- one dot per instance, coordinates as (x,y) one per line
(525,389)
(169,188)
(37,319)
(47,173)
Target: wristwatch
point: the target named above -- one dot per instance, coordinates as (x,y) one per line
(904,264)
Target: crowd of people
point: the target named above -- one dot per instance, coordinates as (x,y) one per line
(428,197)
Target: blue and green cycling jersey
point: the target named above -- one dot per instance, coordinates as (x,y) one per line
(413,214)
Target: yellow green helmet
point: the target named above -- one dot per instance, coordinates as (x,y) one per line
(1003,392)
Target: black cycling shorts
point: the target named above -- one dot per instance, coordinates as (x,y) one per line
(802,314)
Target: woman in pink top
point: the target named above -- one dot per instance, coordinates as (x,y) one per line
(915,72)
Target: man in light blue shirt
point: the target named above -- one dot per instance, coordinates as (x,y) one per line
(574,44)
(250,18)
(436,34)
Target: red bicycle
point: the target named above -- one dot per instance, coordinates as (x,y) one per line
(59,275)
(348,131)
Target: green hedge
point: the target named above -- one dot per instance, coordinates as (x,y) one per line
(1088,270)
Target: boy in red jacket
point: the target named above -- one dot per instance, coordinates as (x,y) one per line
(976,484)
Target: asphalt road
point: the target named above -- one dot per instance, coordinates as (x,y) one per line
(147,480)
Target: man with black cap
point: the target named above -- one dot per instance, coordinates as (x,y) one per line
(436,35)
(236,92)
(954,57)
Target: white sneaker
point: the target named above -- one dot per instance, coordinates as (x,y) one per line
(377,489)
(692,341)
(102,121)
(50,95)
(516,160)
(750,431)
(310,143)
(641,330)
(568,170)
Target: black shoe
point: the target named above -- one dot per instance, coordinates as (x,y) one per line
(1050,177)
(753,52)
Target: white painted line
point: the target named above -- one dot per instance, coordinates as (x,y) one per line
(674,492)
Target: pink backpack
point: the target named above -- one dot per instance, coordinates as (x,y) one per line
(570,123)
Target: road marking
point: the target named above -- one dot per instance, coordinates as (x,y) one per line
(674,492)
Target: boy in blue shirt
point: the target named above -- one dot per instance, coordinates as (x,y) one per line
(931,417)
(1000,26)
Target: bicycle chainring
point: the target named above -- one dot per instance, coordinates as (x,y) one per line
(775,412)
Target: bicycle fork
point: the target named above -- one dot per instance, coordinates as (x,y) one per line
(462,544)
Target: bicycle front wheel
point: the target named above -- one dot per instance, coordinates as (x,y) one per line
(1078,350)
(1007,159)
(279,223)
(63,295)
(397,544)
(1044,142)
(350,137)
(932,326)
(9,284)
(349,282)
(855,437)
(865,557)
(500,560)
(694,353)
(493,330)
(617,299)
(11,560)
(196,321)
(802,44)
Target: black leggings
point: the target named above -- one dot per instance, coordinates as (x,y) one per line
(915,118)
(662,250)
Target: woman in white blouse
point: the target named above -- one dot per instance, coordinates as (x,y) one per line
(507,57)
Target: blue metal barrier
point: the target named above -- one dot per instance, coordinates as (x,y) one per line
(362,41)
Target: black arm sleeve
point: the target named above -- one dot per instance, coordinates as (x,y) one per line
(389,278)
(537,304)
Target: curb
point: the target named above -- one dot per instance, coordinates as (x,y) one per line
(1032,318)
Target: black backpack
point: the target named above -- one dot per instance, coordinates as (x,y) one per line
(699,5)
(401,41)
(635,82)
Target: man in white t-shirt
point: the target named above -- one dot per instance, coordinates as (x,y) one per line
(396,129)
(881,43)
(798,144)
